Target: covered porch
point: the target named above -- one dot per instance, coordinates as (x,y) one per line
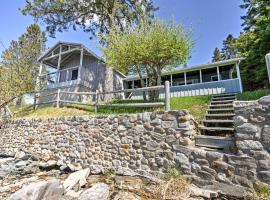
(213,78)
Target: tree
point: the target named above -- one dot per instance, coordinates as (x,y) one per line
(228,51)
(254,43)
(94,17)
(19,68)
(151,48)
(217,56)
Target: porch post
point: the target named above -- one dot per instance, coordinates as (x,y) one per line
(218,73)
(239,76)
(146,83)
(59,65)
(267,58)
(132,84)
(171,80)
(81,64)
(185,76)
(200,76)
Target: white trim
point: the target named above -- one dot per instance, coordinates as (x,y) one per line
(200,76)
(218,75)
(185,77)
(267,58)
(239,77)
(195,68)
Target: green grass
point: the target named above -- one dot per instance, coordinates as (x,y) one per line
(253,95)
(196,105)
(262,190)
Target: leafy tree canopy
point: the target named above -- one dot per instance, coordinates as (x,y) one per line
(95,16)
(149,48)
(19,67)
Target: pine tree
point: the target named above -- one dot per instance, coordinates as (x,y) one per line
(217,56)
(228,50)
(96,17)
(19,64)
(254,43)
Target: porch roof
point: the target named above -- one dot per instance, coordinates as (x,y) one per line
(193,68)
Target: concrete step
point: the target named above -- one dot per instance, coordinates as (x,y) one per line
(223,98)
(216,128)
(218,121)
(224,95)
(214,142)
(220,110)
(226,105)
(222,102)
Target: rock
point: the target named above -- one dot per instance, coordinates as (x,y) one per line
(239,120)
(169,124)
(247,128)
(51,164)
(198,192)
(265,100)
(242,181)
(221,177)
(152,146)
(266,136)
(181,159)
(182,149)
(75,178)
(44,190)
(264,176)
(230,191)
(212,156)
(122,195)
(249,145)
(99,191)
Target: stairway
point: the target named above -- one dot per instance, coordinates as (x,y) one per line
(217,128)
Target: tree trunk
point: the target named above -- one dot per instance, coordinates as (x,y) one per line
(141,82)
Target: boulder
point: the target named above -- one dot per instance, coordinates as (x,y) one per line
(44,190)
(247,128)
(76,179)
(265,100)
(249,145)
(198,192)
(99,191)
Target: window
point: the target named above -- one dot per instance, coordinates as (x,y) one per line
(74,74)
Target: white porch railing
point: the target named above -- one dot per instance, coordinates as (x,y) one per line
(198,89)
(60,78)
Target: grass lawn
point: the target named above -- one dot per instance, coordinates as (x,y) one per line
(253,95)
(196,105)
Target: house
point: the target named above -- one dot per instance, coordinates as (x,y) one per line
(212,78)
(72,67)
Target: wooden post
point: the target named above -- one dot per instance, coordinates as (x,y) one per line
(58,99)
(35,101)
(96,99)
(171,80)
(167,95)
(81,65)
(59,65)
(185,77)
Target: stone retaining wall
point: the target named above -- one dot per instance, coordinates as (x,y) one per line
(252,123)
(145,143)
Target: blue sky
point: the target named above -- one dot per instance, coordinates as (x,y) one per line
(211,21)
